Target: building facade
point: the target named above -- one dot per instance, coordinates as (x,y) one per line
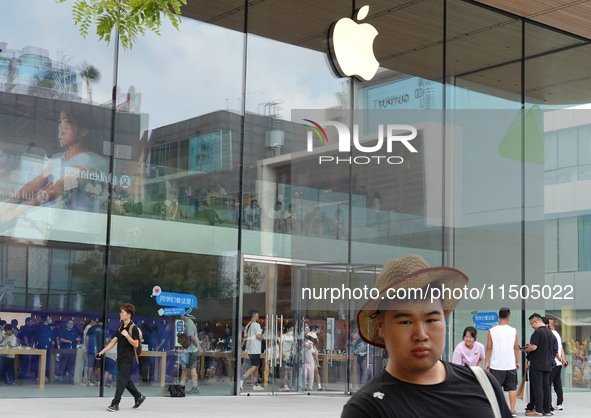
(190,176)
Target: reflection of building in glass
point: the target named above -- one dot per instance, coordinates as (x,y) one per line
(30,70)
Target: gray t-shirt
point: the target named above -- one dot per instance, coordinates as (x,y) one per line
(253,345)
(191,331)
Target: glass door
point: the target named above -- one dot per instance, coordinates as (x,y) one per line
(345,362)
(267,288)
(310,344)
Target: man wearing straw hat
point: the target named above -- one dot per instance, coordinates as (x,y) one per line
(407,318)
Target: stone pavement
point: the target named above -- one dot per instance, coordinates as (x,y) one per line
(577,405)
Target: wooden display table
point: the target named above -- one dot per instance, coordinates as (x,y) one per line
(162,356)
(52,353)
(29,352)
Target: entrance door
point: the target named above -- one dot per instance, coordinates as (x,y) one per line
(267,287)
(338,363)
(346,361)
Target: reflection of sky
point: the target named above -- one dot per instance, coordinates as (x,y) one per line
(299,77)
(199,70)
(181,74)
(48,25)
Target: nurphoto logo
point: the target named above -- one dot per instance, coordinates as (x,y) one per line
(390,134)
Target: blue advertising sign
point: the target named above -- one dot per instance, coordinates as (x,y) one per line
(483,327)
(175,303)
(176,299)
(484,317)
(171,311)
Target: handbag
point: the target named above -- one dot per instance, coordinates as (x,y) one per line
(523,389)
(520,388)
(177,391)
(526,393)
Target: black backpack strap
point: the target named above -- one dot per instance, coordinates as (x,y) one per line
(246,330)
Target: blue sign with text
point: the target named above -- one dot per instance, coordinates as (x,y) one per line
(485,317)
(175,303)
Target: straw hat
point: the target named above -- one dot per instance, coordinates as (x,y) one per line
(410,271)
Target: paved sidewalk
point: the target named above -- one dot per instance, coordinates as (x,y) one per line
(577,405)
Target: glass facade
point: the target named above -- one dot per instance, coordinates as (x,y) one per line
(185,176)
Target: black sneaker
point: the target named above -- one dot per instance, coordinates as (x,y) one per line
(138,402)
(113,408)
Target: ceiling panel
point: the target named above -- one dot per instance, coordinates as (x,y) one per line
(572,16)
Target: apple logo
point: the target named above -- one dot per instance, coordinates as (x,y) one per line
(351,47)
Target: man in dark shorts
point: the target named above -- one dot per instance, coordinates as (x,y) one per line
(415,382)
(194,351)
(127,340)
(504,361)
(253,335)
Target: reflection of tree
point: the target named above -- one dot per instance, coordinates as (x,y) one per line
(91,75)
(88,278)
(43,85)
(140,270)
(253,276)
(53,84)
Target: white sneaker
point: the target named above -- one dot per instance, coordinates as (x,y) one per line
(257,387)
(558,408)
(241,384)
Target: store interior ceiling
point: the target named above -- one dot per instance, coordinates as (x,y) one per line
(483,49)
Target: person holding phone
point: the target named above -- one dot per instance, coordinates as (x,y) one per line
(541,355)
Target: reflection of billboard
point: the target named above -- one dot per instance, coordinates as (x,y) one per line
(210,152)
(30,168)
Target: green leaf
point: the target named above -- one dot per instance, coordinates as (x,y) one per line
(131,18)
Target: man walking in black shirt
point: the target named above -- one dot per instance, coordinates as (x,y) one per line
(128,337)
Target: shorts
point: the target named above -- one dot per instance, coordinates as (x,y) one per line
(506,378)
(92,361)
(255,359)
(193,360)
(183,358)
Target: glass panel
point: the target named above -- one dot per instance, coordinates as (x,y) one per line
(572,329)
(257,366)
(551,86)
(567,244)
(482,55)
(551,245)
(288,210)
(327,322)
(55,90)
(175,207)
